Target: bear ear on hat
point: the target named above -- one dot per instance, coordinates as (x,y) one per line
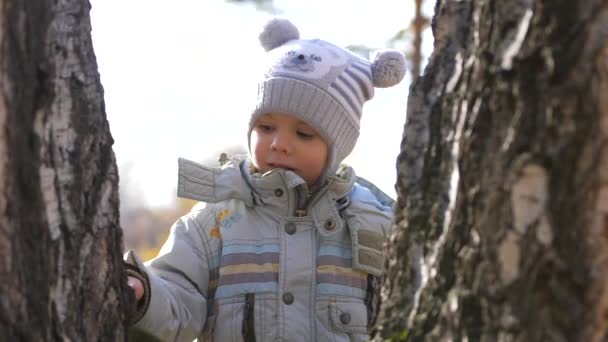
(388,68)
(278,32)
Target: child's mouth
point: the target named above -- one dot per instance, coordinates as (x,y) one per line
(279,166)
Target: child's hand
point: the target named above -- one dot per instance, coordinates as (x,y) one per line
(137,287)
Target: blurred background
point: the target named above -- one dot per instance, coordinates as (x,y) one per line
(179,82)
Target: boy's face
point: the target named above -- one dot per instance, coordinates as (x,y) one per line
(283,141)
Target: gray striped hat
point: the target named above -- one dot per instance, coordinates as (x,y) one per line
(321,84)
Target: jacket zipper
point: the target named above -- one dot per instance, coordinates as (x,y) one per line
(300,210)
(248,328)
(303,205)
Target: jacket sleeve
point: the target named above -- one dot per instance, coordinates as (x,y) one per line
(176,282)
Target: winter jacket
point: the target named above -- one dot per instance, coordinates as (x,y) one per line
(262,259)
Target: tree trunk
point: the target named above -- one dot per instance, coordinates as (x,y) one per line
(501,227)
(60,242)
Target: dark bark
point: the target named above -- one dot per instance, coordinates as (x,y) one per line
(501,230)
(60,242)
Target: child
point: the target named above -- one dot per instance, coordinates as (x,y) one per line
(286,246)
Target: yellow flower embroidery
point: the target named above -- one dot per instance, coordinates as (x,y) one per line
(215,231)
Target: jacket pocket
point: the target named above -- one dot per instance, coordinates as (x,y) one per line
(246,317)
(350,319)
(229,319)
(367,243)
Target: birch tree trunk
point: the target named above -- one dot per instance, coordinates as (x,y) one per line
(60,243)
(501,228)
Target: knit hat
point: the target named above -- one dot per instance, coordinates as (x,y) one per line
(321,84)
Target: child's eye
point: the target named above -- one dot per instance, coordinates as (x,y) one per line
(305,135)
(265,127)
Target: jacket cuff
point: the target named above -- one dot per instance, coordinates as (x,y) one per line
(135,268)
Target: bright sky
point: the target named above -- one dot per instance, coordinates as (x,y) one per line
(177,77)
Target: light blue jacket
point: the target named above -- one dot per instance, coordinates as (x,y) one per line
(260,256)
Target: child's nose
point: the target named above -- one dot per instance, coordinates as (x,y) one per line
(282,143)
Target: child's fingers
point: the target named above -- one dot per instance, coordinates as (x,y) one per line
(137,286)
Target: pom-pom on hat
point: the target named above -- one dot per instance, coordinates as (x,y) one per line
(321,84)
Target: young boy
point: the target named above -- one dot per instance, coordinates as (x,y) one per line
(285,246)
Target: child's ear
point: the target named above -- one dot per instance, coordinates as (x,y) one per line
(388,68)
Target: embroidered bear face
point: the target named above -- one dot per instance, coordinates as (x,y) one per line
(299,61)
(311,60)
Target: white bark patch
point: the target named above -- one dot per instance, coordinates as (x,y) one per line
(453,301)
(544,232)
(60,291)
(456,75)
(85,251)
(476,21)
(415,254)
(48,179)
(508,321)
(529,198)
(56,133)
(47,186)
(428,267)
(475,238)
(513,48)
(453,188)
(509,256)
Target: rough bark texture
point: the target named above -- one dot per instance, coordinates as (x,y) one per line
(501,230)
(60,242)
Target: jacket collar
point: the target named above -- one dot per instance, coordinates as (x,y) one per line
(234,180)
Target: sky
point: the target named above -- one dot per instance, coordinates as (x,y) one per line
(178,76)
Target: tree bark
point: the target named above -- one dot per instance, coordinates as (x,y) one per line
(501,227)
(60,241)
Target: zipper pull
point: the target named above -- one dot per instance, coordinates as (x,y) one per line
(248,328)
